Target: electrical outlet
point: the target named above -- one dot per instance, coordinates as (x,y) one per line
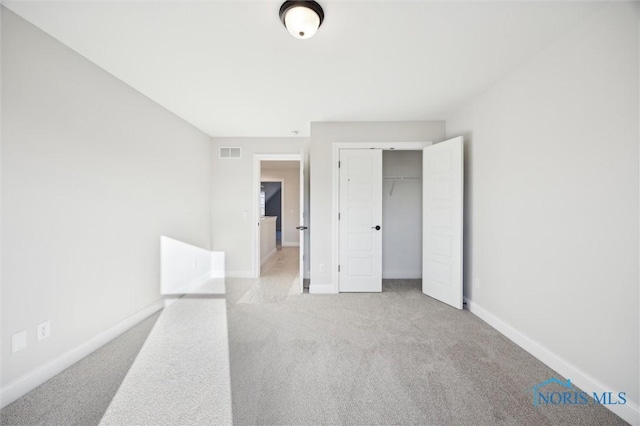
(18,341)
(476,283)
(43,330)
(322,267)
(195,264)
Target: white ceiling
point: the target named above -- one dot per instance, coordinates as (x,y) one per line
(231,69)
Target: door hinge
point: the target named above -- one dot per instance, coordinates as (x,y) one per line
(338,216)
(338,164)
(338,268)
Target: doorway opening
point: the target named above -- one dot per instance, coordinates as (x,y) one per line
(280,227)
(401,214)
(272,204)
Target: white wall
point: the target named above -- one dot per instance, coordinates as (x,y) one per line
(402,215)
(291,197)
(267,238)
(323,136)
(2,339)
(93,173)
(552,200)
(185,267)
(233,202)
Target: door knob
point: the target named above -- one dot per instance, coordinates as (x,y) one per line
(377,227)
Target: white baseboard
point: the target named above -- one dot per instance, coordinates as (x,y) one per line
(269,256)
(35,378)
(239,274)
(321,289)
(629,412)
(288,244)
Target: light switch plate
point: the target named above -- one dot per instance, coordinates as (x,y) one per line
(18,341)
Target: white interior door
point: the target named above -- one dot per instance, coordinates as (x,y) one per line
(442,186)
(360,220)
(302,228)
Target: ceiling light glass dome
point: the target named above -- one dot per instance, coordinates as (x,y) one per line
(301,18)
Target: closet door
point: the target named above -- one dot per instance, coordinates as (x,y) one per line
(442,186)
(360,220)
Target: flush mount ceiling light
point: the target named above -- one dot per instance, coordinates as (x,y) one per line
(301,18)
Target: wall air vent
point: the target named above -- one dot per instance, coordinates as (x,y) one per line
(229,152)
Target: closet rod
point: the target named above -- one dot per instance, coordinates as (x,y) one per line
(395,178)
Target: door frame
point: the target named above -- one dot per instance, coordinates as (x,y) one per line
(255,196)
(335,224)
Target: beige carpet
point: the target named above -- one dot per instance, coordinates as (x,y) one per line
(396,357)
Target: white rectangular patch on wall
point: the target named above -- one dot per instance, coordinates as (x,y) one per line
(229,152)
